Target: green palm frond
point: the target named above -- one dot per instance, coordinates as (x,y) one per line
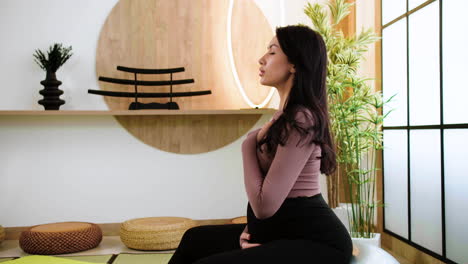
(339,10)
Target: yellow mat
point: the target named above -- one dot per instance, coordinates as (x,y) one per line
(93,259)
(5,259)
(160,258)
(34,259)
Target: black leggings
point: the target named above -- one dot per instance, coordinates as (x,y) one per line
(303,230)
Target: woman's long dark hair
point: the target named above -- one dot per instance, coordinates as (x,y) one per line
(306,49)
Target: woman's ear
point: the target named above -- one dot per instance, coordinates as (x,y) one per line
(293,69)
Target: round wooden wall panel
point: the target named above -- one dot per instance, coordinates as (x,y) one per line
(194,35)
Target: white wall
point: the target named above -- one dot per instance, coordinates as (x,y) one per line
(29,25)
(88,168)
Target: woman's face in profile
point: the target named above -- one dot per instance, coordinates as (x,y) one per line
(275,68)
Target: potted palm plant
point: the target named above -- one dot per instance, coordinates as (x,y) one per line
(56,57)
(356,119)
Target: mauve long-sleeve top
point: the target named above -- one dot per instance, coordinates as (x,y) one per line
(292,171)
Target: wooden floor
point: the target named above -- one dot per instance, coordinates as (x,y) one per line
(398,257)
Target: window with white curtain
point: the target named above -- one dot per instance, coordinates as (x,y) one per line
(425,156)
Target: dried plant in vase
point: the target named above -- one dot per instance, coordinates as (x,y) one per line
(56,57)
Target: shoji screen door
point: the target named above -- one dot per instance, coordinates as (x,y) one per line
(425,157)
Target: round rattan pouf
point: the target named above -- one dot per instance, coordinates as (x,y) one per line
(60,238)
(154,233)
(2,234)
(239,220)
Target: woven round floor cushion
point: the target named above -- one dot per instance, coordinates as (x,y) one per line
(60,238)
(154,233)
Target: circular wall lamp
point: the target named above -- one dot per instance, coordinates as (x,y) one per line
(233,65)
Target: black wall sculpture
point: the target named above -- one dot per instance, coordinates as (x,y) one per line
(138,105)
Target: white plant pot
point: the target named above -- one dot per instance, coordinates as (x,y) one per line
(370,254)
(342,214)
(374,241)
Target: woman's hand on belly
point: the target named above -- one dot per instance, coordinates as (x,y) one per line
(244,244)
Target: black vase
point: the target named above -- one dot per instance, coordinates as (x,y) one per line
(51,92)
